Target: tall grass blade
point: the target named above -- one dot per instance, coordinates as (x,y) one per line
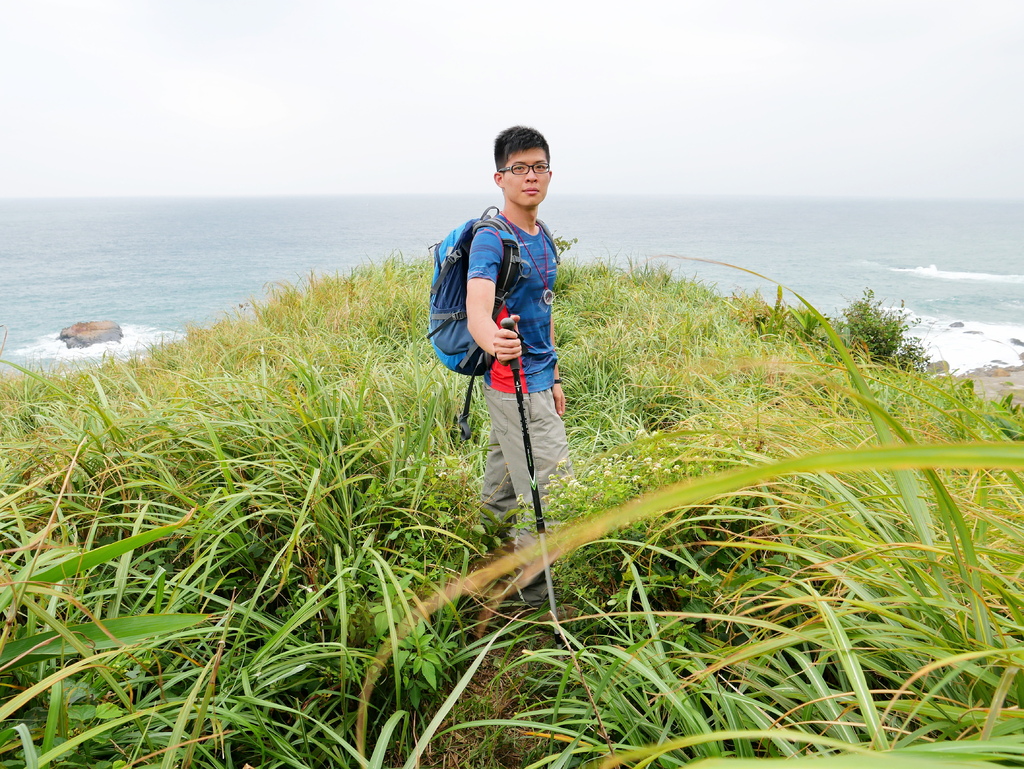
(110,634)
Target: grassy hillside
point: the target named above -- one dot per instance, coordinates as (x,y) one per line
(230,552)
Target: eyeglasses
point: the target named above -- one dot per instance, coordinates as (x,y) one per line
(521,169)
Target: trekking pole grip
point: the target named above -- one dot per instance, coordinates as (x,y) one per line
(510,325)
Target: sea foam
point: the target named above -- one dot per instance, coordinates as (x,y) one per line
(137,340)
(934,272)
(972,345)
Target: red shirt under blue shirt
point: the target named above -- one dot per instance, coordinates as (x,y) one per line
(526,300)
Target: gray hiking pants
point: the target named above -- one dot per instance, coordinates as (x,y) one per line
(506,486)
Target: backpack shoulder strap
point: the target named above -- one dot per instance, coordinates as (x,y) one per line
(511,260)
(551,240)
(487,219)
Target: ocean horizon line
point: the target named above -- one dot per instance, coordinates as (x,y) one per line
(164,262)
(803,197)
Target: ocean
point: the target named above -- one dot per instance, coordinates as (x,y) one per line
(158,265)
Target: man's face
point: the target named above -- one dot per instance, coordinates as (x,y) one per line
(525,190)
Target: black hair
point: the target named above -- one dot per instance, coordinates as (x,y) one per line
(518,138)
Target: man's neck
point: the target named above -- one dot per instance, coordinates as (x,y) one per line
(523,218)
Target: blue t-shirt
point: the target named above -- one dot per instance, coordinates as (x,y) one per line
(538,274)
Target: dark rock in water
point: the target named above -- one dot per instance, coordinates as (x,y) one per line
(93,332)
(973,332)
(956,324)
(1016,341)
(938,367)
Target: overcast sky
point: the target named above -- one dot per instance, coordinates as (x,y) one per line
(921,98)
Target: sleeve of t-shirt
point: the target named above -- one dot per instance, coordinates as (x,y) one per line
(485,255)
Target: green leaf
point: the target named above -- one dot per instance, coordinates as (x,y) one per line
(79,562)
(107,710)
(877,761)
(127,630)
(81,712)
(430,673)
(86,560)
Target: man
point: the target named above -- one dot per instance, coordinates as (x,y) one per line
(523,173)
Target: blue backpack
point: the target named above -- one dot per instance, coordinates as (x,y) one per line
(449,327)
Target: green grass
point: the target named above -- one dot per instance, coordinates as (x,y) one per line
(230,552)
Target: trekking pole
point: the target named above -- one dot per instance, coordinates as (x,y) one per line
(509,324)
(560,638)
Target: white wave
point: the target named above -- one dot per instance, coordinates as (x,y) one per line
(932,271)
(972,345)
(137,340)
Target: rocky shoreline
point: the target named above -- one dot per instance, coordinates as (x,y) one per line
(996,382)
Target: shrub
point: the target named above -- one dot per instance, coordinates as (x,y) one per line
(881,333)
(564,244)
